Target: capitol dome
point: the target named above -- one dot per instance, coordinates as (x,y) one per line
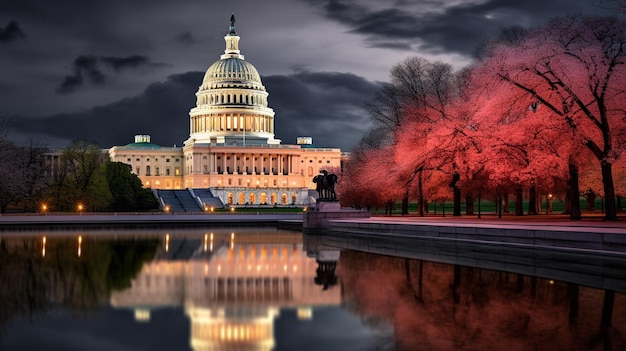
(232,71)
(231,103)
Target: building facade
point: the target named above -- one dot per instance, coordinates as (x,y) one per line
(231,147)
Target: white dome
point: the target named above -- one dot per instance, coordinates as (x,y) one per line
(231,103)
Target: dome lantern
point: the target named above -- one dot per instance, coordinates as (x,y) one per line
(232,42)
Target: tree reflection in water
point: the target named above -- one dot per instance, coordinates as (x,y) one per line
(434,306)
(37,275)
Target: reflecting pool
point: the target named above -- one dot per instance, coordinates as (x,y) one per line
(270,289)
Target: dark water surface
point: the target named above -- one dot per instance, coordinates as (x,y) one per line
(269,289)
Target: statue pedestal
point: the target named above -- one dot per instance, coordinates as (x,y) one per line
(316,217)
(324,206)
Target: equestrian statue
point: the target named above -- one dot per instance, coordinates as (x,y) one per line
(325,186)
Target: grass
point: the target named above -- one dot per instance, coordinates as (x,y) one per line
(490,207)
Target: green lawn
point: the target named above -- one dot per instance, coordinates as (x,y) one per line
(490,206)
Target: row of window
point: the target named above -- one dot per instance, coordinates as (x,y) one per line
(148,160)
(157,171)
(232,98)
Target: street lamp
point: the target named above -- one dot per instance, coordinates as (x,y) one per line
(80,208)
(44,208)
(167,208)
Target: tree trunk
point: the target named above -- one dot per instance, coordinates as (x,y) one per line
(532,201)
(422,203)
(573,201)
(457,201)
(519,210)
(610,210)
(506,203)
(590,196)
(405,202)
(456,193)
(469,205)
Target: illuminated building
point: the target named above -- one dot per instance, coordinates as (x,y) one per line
(231,147)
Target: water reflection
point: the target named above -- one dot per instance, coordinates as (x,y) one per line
(435,306)
(40,273)
(231,286)
(231,290)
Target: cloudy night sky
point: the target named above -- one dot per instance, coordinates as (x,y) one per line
(105,70)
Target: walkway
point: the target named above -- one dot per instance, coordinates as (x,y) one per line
(553,232)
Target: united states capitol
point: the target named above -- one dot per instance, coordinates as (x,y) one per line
(231,156)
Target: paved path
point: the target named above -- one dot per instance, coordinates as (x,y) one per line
(595,236)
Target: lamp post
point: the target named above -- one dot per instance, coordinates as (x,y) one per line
(44,208)
(80,209)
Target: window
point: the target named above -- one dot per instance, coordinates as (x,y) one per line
(137,171)
(167,171)
(158,171)
(177,171)
(147,170)
(167,160)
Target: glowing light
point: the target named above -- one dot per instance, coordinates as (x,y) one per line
(79,207)
(206,241)
(212,208)
(142,315)
(44,208)
(80,244)
(232,209)
(167,242)
(167,208)
(43,247)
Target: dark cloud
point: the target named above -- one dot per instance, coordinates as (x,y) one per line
(130,62)
(326,106)
(11,32)
(187,38)
(436,27)
(89,68)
